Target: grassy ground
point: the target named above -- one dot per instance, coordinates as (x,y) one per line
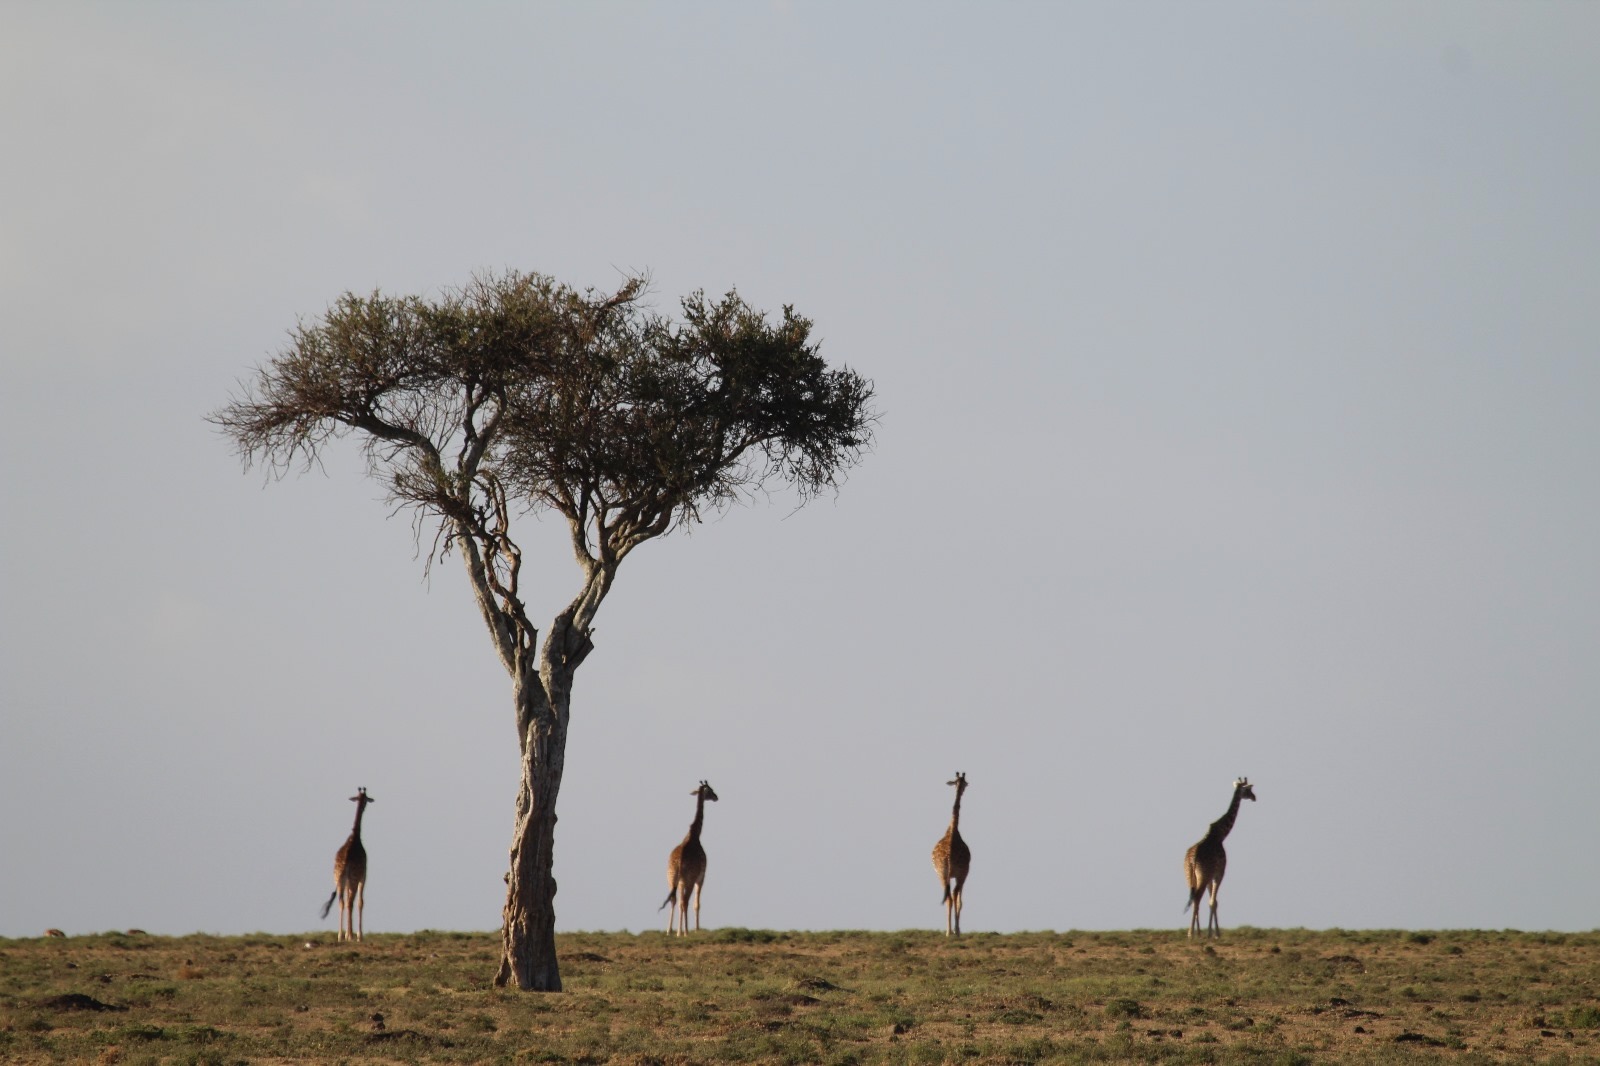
(737,995)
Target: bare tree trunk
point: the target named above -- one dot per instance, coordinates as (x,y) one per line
(528,935)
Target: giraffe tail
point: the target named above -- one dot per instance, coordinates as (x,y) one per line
(670,897)
(328,906)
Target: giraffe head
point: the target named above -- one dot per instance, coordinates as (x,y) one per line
(362,798)
(704,792)
(1242,786)
(960,782)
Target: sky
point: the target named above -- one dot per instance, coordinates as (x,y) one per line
(1236,366)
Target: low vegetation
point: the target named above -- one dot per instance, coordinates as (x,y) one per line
(739,995)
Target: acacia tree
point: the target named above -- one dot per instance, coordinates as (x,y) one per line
(519,394)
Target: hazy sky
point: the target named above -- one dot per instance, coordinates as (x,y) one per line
(1239,384)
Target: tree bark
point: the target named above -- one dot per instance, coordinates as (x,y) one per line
(528,931)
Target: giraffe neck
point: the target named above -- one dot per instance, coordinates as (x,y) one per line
(699,817)
(1224,825)
(955,813)
(361,808)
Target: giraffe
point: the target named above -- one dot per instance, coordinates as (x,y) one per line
(1205,863)
(952,858)
(350,877)
(686,869)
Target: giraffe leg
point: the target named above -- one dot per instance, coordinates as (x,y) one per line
(1214,927)
(955,905)
(359,911)
(698,891)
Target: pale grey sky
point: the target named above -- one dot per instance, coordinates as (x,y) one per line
(1239,380)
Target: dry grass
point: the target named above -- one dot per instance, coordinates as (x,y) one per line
(733,995)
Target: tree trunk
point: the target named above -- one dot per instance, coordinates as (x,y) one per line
(528,935)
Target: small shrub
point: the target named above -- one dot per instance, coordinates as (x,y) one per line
(738,935)
(205,1057)
(1124,1008)
(1037,1050)
(1583,1018)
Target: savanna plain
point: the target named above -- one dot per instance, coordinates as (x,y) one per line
(741,995)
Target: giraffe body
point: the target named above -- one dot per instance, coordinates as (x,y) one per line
(951,860)
(350,877)
(686,869)
(1205,862)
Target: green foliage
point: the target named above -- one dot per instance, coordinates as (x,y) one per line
(735,935)
(518,388)
(1124,1008)
(1583,1017)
